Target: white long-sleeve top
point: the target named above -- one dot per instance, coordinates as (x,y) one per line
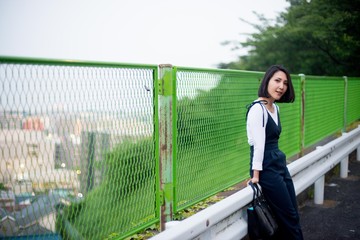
(255,127)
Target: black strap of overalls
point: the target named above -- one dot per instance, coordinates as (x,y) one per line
(252,104)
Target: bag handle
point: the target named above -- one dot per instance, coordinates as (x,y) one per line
(258,196)
(254,193)
(257,192)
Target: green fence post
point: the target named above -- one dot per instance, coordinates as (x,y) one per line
(166,144)
(345,101)
(302,121)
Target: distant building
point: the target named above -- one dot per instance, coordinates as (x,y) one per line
(7,200)
(37,219)
(8,225)
(35,123)
(11,120)
(41,213)
(28,157)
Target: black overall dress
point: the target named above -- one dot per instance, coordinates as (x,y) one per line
(277,184)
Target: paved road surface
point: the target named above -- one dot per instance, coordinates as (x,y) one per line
(339,217)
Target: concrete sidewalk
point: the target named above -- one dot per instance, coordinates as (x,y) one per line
(339,217)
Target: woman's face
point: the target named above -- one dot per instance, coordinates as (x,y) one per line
(278,85)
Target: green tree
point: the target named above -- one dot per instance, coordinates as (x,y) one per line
(317,37)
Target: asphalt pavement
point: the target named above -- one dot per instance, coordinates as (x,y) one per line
(339,217)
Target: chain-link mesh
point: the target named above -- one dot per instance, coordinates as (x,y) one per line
(212,150)
(290,117)
(79,142)
(324,107)
(353,99)
(77,149)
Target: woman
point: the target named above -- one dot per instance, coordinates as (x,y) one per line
(268,163)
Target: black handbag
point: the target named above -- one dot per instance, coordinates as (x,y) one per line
(261,221)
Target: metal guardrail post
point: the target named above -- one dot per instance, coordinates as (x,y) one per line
(166,143)
(344,166)
(319,186)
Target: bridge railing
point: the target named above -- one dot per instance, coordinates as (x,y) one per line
(227,219)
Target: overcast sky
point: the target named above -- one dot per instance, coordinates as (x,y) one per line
(182,33)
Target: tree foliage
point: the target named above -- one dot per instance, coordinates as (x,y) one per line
(317,37)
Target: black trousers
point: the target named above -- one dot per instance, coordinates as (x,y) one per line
(278,189)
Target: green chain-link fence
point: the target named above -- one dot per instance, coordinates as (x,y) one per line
(78,148)
(82,143)
(325,96)
(352,100)
(211,137)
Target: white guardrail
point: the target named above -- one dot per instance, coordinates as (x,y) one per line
(227,219)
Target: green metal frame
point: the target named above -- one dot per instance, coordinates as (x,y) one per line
(166,133)
(69,62)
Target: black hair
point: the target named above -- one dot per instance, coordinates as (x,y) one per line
(289,95)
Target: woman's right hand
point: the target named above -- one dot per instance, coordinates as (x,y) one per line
(256,176)
(254,180)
